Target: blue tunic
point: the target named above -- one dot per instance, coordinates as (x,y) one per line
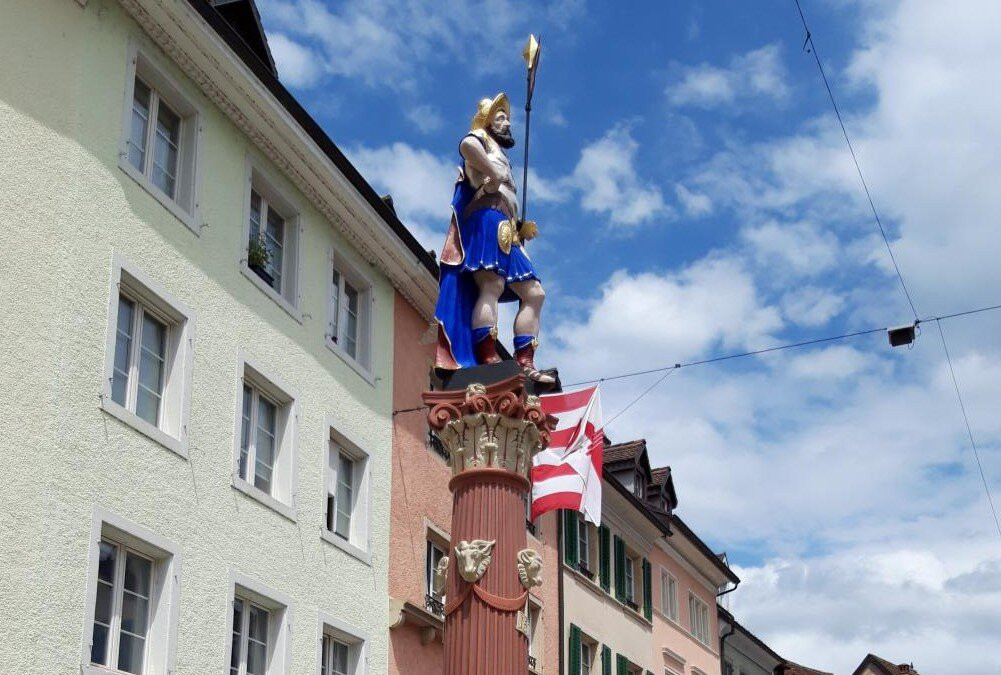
(457,290)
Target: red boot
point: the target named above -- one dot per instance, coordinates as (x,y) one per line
(526,359)
(486,350)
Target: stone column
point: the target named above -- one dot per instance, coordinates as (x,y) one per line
(491,433)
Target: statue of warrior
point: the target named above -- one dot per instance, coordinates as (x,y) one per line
(483,261)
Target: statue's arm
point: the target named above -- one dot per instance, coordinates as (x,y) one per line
(472,151)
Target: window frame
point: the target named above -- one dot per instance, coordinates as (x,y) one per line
(363,363)
(273,192)
(359,543)
(171,431)
(163,86)
(280,620)
(433,544)
(285,474)
(629,574)
(699,604)
(356,640)
(664,572)
(161,633)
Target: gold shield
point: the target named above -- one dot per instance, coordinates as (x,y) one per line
(506,235)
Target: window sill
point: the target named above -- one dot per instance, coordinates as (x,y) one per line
(361,554)
(175,445)
(263,497)
(350,360)
(189,220)
(94,669)
(274,295)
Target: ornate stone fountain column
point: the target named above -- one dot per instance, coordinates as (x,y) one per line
(491,433)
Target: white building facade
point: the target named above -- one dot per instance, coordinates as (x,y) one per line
(196,354)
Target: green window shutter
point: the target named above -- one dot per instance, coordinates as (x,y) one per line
(647,591)
(605,562)
(570,538)
(606,660)
(620,568)
(574,660)
(621,665)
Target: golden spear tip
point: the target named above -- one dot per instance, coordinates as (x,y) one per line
(531,51)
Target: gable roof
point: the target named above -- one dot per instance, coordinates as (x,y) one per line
(884,667)
(243,16)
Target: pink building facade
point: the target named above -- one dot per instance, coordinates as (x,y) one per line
(420,524)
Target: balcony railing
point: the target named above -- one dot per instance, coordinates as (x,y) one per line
(434,605)
(530,526)
(436,446)
(585,571)
(531,662)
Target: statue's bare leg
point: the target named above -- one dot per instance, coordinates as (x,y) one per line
(532,295)
(526,327)
(484,320)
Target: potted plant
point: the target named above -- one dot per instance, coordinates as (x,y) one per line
(258,257)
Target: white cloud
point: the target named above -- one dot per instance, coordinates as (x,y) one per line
(393,43)
(811,306)
(672,317)
(421,185)
(798,249)
(297,65)
(758,73)
(608,181)
(695,204)
(426,118)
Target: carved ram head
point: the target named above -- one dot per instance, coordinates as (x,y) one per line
(472,558)
(529,568)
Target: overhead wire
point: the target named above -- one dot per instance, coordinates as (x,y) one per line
(851,149)
(813,49)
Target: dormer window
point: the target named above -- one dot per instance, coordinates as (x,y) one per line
(639,485)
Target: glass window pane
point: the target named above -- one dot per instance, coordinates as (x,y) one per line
(99,645)
(165,142)
(340,658)
(264,444)
(123,350)
(234,657)
(325,668)
(335,305)
(106,562)
(275,243)
(351,320)
(248,402)
(152,361)
(255,215)
(345,490)
(140,121)
(131,649)
(257,641)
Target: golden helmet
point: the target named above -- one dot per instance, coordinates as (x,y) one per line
(486,110)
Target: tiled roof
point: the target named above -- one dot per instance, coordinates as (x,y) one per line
(659,475)
(886,666)
(624,451)
(790,668)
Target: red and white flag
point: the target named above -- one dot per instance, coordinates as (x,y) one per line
(567,474)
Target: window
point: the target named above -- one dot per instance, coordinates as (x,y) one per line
(341,648)
(630,573)
(271,257)
(534,626)
(584,561)
(434,555)
(160,138)
(259,629)
(728,668)
(350,315)
(529,525)
(668,595)
(586,657)
(249,650)
(266,457)
(639,485)
(346,496)
(148,358)
(698,613)
(132,598)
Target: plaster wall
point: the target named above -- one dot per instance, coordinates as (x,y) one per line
(65,210)
(421,499)
(676,635)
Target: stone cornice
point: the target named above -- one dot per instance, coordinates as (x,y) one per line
(202,54)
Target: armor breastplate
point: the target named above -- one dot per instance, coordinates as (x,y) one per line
(506,198)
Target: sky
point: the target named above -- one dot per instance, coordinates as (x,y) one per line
(695,198)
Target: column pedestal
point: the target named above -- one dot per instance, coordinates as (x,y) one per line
(491,433)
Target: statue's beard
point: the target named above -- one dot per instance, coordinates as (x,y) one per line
(504,139)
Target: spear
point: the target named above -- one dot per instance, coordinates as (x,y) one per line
(531,55)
